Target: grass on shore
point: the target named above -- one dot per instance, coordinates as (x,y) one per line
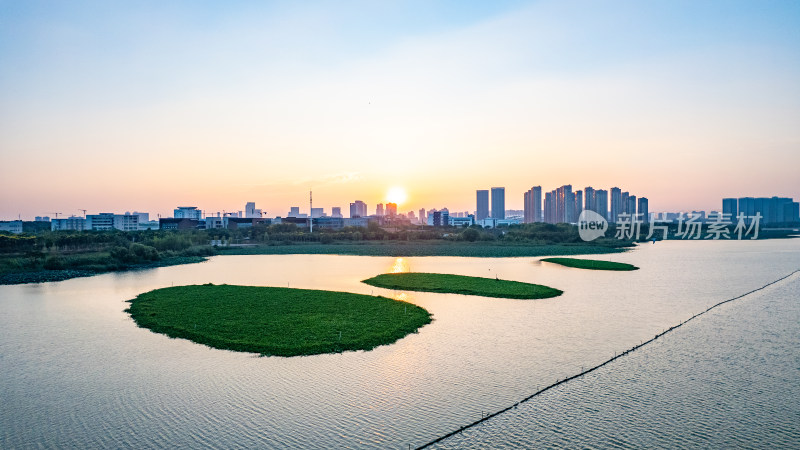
(18,276)
(460,284)
(276,321)
(591,264)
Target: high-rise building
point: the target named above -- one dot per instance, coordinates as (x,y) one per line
(630,206)
(565,205)
(616,204)
(294,211)
(773,210)
(533,205)
(336,212)
(423,218)
(391,209)
(498,203)
(578,208)
(747,206)
(483,204)
(379,210)
(624,202)
(317,213)
(526,204)
(549,207)
(601,202)
(729,207)
(358,209)
(791,212)
(644,209)
(590,201)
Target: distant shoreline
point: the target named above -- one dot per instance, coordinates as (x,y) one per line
(390,249)
(426,248)
(46,276)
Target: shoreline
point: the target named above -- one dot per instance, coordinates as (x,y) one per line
(48,276)
(391,249)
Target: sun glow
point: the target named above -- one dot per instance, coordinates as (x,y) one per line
(396,195)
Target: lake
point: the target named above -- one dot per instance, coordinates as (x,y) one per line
(77,372)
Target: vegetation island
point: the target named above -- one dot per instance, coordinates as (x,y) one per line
(276,321)
(590,264)
(460,284)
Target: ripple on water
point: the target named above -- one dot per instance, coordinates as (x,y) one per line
(729,379)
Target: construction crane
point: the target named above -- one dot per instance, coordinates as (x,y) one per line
(56,214)
(84,212)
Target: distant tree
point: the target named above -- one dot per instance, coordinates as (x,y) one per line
(470,234)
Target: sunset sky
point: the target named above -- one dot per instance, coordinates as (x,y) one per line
(123,106)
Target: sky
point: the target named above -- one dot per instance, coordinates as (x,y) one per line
(147,105)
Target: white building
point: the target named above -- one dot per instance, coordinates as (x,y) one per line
(143,217)
(187,212)
(110,221)
(251,212)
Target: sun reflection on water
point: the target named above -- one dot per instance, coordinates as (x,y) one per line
(403,297)
(400,265)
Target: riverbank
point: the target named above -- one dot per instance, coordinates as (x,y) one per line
(59,266)
(276,321)
(44,276)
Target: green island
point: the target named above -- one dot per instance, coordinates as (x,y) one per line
(460,284)
(590,264)
(276,321)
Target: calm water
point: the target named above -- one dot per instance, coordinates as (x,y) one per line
(77,372)
(731,379)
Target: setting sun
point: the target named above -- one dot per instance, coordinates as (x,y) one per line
(396,195)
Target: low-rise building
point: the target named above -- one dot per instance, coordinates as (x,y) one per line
(72,223)
(494,223)
(187,212)
(233,223)
(178,224)
(110,221)
(12,226)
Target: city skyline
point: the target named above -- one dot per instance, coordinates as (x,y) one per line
(151,105)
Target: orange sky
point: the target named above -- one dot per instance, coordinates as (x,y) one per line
(149,107)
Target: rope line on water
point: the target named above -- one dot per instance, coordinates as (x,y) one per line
(592,369)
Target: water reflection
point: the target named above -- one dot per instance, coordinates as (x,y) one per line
(400,266)
(403,297)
